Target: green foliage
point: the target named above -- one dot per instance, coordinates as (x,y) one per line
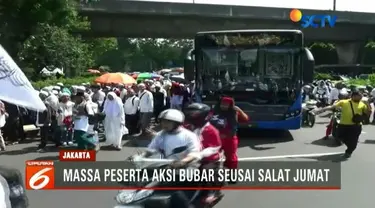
(67,81)
(52,45)
(324,76)
(328,46)
(100,46)
(369,81)
(20,18)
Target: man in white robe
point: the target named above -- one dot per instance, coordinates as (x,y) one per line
(114,122)
(91,130)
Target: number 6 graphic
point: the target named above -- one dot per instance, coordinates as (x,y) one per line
(38,176)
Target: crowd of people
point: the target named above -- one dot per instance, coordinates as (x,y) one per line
(354,104)
(74,115)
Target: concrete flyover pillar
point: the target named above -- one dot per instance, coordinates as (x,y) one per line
(349,52)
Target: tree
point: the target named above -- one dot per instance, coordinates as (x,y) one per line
(104,51)
(152,54)
(19,19)
(52,45)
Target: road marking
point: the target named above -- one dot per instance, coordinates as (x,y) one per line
(363,132)
(288,156)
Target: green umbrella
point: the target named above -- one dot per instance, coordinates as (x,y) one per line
(143,76)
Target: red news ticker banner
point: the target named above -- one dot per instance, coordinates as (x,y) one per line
(77,155)
(40,175)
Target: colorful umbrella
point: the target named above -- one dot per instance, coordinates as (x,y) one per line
(163,71)
(143,76)
(135,76)
(93,71)
(178,69)
(178,78)
(156,76)
(115,78)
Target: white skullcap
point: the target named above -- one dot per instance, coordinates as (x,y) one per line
(141,85)
(82,88)
(44,93)
(55,92)
(48,88)
(64,94)
(56,87)
(60,84)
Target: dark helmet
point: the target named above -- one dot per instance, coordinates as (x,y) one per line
(197,113)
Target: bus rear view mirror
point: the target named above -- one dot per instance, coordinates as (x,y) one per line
(189,66)
(189,69)
(308,66)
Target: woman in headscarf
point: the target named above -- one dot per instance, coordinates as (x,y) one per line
(226,117)
(114,122)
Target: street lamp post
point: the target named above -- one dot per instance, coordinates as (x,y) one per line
(334,5)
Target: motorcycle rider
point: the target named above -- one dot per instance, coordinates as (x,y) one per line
(321,91)
(329,84)
(172,136)
(343,94)
(307,93)
(306,96)
(197,116)
(335,92)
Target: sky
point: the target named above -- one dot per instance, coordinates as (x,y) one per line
(341,5)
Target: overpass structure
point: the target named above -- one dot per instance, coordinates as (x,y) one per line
(137,19)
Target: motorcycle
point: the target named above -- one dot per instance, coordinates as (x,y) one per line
(148,198)
(335,122)
(308,115)
(322,100)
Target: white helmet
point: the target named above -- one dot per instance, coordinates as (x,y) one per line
(172,115)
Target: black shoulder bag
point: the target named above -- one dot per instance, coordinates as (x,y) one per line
(357,118)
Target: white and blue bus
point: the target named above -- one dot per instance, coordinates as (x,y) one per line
(263,70)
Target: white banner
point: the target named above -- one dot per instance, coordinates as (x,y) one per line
(15,87)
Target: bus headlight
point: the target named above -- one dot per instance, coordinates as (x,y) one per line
(125,197)
(292,114)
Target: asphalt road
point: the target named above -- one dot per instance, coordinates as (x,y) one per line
(357,173)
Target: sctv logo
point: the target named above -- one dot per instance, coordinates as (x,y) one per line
(314,21)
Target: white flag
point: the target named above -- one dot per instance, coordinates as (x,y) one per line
(15,87)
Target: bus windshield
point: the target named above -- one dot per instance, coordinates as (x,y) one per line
(266,65)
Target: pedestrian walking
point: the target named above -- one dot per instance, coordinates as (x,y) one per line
(131,108)
(146,107)
(82,111)
(353,113)
(114,122)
